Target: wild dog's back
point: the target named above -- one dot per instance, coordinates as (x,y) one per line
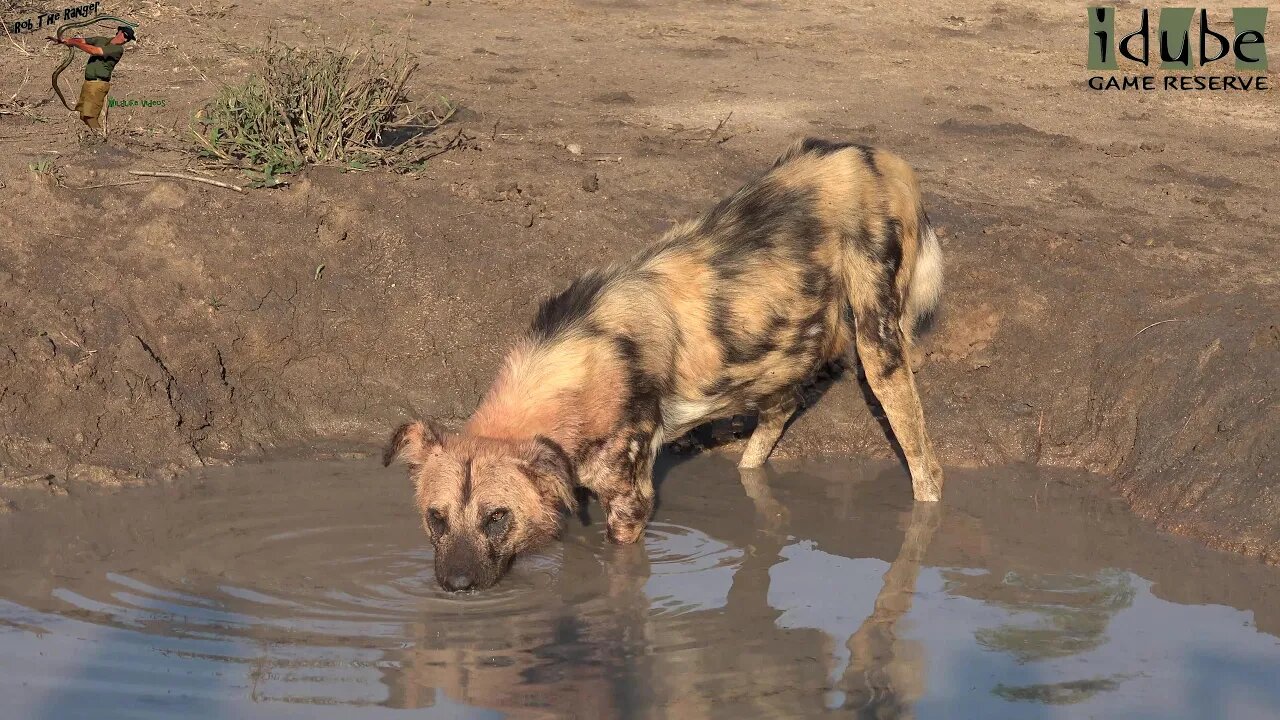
(728,313)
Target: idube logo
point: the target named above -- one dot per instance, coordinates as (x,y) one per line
(1245,44)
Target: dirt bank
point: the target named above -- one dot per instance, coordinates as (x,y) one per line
(1112,283)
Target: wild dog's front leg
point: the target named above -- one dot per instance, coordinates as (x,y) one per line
(627,494)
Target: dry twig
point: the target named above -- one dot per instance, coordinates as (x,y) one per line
(1155,324)
(106,185)
(192,178)
(22,48)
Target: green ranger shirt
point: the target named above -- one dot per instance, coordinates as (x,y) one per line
(99,67)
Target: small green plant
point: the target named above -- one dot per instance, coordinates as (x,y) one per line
(42,167)
(266,179)
(310,106)
(216,303)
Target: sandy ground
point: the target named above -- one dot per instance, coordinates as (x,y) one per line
(150,328)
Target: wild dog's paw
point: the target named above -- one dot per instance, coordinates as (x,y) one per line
(625,533)
(626,516)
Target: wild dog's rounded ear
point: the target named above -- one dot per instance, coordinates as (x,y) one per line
(548,456)
(554,471)
(412,442)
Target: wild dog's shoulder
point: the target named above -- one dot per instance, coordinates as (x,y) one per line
(584,297)
(812,147)
(877,162)
(559,311)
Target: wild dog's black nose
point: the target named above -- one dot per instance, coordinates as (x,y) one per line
(457,583)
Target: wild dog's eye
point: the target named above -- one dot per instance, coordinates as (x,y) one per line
(496,524)
(435,519)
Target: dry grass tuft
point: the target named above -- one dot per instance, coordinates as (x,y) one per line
(322,107)
(19,108)
(19,8)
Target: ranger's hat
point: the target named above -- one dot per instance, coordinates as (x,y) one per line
(128,32)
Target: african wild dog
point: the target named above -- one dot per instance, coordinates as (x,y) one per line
(829,249)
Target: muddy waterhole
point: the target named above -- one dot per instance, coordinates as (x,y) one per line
(305,590)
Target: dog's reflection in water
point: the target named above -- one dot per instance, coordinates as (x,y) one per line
(599,645)
(881,665)
(884,673)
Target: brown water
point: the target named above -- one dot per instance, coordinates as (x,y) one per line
(305,590)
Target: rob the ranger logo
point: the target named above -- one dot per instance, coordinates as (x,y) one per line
(1176,52)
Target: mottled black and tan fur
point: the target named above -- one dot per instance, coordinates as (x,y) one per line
(829,250)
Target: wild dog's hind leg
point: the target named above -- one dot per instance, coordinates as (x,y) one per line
(773,419)
(883,349)
(627,493)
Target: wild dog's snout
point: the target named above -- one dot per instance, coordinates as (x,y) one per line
(457,583)
(462,565)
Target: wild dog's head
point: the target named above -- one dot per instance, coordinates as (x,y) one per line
(483,501)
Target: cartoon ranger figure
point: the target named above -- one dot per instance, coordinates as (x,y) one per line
(104,53)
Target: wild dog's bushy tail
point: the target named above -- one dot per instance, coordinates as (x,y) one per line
(925,290)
